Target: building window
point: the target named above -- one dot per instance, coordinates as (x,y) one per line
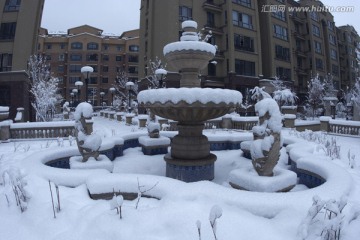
(333,54)
(282,53)
(283,73)
(95,67)
(76,45)
(332,39)
(316,30)
(75,57)
(185,13)
(243,43)
(314,16)
(62,45)
(211,69)
(246,3)
(243,67)
(319,64)
(335,69)
(280,32)
(105,80)
(75,68)
(60,80)
(60,69)
(73,79)
(118,58)
(331,25)
(61,57)
(48,57)
(105,57)
(133,69)
(105,47)
(133,48)
(92,46)
(281,15)
(132,58)
(242,20)
(93,80)
(210,19)
(7,31)
(118,48)
(317,46)
(5,62)
(12,5)
(92,57)
(48,46)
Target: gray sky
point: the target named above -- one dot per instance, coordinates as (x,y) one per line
(117,16)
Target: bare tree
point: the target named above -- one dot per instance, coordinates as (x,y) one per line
(44,87)
(152,79)
(122,93)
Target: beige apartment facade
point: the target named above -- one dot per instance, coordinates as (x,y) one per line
(83,46)
(253,42)
(20,23)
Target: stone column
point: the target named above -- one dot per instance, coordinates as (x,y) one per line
(324,124)
(89,126)
(226,123)
(5,131)
(289,120)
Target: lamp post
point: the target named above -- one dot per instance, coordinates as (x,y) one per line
(112,90)
(129,86)
(160,74)
(72,99)
(78,84)
(75,92)
(102,94)
(86,71)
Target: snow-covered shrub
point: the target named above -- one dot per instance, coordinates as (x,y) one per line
(258,94)
(325,220)
(316,94)
(351,158)
(285,97)
(215,213)
(198,226)
(116,203)
(332,148)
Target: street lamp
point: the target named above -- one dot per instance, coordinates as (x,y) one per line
(112,90)
(78,84)
(102,94)
(160,74)
(72,98)
(129,86)
(86,71)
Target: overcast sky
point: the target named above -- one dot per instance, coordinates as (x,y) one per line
(117,16)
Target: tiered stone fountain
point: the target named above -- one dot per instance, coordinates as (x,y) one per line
(190,158)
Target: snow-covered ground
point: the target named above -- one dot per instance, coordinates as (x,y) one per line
(175,215)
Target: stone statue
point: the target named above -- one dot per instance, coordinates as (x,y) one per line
(153,130)
(265,149)
(88,144)
(66,110)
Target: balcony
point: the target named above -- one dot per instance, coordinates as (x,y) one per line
(300,53)
(300,71)
(297,19)
(213,29)
(211,6)
(298,35)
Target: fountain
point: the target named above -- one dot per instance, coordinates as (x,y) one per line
(190,158)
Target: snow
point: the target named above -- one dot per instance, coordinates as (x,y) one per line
(103,162)
(270,105)
(147,141)
(178,208)
(189,45)
(83,109)
(289,116)
(87,69)
(152,126)
(189,23)
(189,95)
(4,109)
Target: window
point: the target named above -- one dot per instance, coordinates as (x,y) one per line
(75,68)
(48,57)
(246,3)
(333,54)
(105,57)
(118,58)
(211,69)
(60,69)
(316,30)
(7,31)
(242,20)
(280,32)
(317,46)
(132,58)
(335,69)
(12,5)
(105,47)
(48,46)
(61,57)
(185,13)
(133,69)
(75,57)
(93,80)
(76,45)
(92,46)
(133,48)
(95,67)
(62,45)
(281,15)
(5,62)
(243,43)
(105,80)
(314,16)
(73,79)
(319,64)
(92,57)
(243,67)
(105,68)
(210,19)
(282,53)
(283,73)
(118,48)
(60,80)
(332,39)
(330,25)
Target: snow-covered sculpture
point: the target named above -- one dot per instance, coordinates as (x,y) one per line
(265,149)
(153,130)
(88,144)
(66,110)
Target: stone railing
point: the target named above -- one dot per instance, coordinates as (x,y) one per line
(38,130)
(340,126)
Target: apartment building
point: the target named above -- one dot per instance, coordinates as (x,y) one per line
(85,45)
(19,29)
(255,40)
(348,41)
